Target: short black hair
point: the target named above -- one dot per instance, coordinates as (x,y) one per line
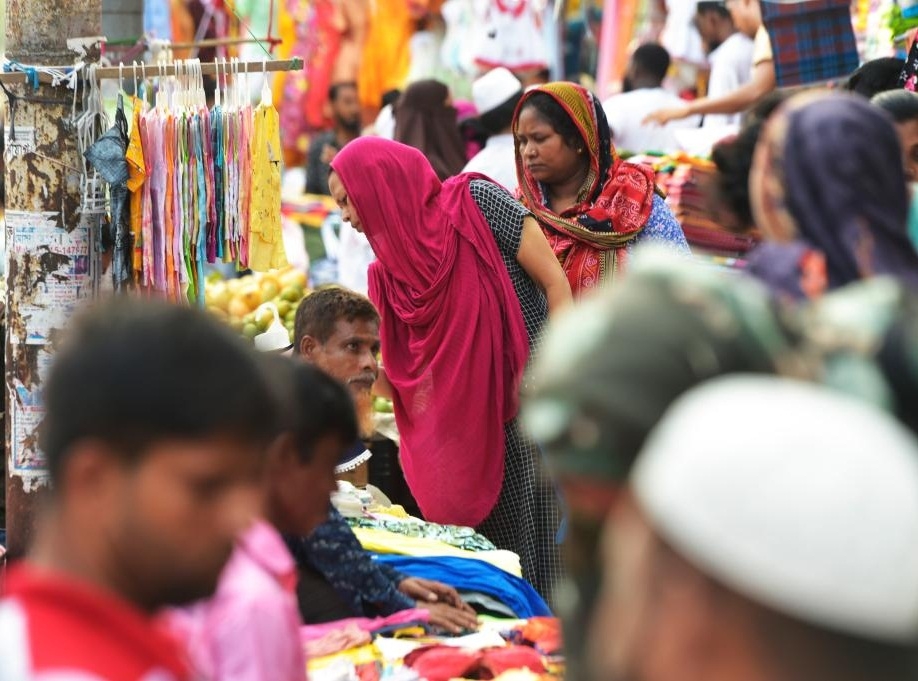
(560,121)
(713,6)
(335,90)
(132,373)
(500,117)
(651,60)
(875,76)
(902,105)
(733,158)
(390,97)
(320,311)
(314,405)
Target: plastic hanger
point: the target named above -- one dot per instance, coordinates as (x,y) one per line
(217,87)
(276,337)
(266,96)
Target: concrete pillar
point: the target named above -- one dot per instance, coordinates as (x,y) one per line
(48,247)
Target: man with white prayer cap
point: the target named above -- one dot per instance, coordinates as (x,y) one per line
(496,95)
(770,532)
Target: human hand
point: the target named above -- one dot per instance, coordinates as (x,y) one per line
(432,591)
(664,116)
(445,616)
(328,154)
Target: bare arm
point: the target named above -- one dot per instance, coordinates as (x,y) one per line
(761,83)
(536,258)
(382,387)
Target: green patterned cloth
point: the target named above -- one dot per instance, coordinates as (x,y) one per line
(454,535)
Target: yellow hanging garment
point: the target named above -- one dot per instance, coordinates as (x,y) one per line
(137,174)
(266,243)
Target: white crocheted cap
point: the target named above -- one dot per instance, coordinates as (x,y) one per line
(493,89)
(801,499)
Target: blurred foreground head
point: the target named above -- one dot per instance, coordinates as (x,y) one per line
(157,421)
(611,367)
(770,532)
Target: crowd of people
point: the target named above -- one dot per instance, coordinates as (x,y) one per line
(708,474)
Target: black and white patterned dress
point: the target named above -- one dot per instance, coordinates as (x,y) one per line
(527,515)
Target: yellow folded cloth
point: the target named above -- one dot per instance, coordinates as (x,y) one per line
(383,541)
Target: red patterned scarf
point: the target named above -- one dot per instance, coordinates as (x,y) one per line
(616,199)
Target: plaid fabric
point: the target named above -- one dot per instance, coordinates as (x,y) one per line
(812,40)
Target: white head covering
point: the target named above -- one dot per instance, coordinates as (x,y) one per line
(493,89)
(802,499)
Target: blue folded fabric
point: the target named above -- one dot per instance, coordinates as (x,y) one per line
(468,574)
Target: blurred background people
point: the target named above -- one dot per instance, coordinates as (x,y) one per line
(876,76)
(902,106)
(345,113)
(729,56)
(828,192)
(426,119)
(747,17)
(643,94)
(495,96)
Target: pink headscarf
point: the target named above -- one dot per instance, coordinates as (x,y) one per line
(453,339)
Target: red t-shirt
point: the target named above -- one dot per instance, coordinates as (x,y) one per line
(55,627)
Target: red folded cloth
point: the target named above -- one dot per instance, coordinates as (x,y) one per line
(442,663)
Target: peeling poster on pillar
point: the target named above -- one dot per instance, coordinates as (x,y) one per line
(52,268)
(26,412)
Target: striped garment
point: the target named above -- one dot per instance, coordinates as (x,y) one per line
(812,40)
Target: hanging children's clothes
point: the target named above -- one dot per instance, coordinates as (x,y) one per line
(136,176)
(512,36)
(107,157)
(191,171)
(266,245)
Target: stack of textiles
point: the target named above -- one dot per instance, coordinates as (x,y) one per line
(686,181)
(518,650)
(310,210)
(489,579)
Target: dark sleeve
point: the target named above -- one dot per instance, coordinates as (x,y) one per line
(504,214)
(334,551)
(315,170)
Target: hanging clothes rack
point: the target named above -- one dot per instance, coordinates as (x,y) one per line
(207,68)
(156,70)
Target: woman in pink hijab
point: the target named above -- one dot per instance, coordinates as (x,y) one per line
(464,280)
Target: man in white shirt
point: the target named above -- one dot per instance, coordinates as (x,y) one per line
(495,96)
(729,54)
(644,94)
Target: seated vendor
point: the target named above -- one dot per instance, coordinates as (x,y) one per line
(337,330)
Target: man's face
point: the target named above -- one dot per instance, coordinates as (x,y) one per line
(706,23)
(346,109)
(908,136)
(174,515)
(303,489)
(349,354)
(746,15)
